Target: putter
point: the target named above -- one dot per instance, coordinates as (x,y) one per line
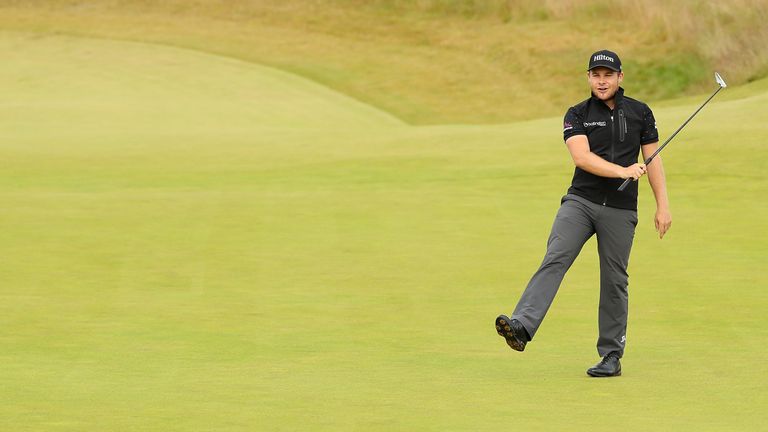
(721,85)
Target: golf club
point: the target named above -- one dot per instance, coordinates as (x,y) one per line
(721,85)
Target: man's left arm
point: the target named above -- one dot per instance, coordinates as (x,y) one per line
(656,178)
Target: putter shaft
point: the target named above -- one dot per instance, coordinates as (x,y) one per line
(721,85)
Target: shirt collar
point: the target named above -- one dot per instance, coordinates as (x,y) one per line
(617,98)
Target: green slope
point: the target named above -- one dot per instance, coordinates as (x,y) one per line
(163,87)
(196,243)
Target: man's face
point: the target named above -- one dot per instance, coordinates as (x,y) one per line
(604,82)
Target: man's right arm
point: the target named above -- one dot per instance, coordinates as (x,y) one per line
(578,145)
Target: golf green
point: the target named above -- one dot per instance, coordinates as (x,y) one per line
(196,243)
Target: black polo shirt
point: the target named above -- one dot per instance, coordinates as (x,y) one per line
(614,135)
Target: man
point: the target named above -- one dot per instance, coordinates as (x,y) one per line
(604,135)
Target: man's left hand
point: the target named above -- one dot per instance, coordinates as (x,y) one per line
(663,221)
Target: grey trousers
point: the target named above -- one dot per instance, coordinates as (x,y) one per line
(576,221)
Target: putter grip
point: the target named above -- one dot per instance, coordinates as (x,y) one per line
(624,185)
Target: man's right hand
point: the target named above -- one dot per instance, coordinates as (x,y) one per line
(634,171)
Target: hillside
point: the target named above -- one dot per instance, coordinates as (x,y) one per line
(442,61)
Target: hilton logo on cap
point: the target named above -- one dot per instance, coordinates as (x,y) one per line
(603,57)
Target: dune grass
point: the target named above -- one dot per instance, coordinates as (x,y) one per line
(194,243)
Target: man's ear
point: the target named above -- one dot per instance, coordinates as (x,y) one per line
(621,77)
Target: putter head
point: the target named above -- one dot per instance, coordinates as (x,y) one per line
(720,80)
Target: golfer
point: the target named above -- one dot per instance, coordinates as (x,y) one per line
(604,135)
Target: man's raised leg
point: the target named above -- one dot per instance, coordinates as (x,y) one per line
(571,229)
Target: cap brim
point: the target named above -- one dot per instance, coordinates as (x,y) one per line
(611,67)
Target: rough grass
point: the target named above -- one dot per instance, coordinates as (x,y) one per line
(442,61)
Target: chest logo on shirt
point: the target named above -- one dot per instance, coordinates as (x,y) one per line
(594,123)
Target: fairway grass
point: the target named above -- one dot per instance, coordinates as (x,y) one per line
(196,243)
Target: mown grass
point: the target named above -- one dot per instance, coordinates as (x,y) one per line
(194,243)
(442,61)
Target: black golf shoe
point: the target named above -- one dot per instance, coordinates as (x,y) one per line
(512,331)
(609,366)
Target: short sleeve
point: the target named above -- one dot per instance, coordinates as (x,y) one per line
(650,133)
(573,124)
